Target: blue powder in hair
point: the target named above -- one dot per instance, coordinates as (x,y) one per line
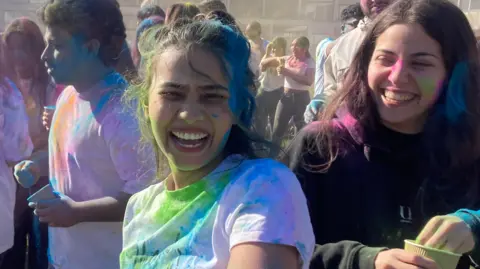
(455,101)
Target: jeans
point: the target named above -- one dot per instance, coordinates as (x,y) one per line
(27,224)
(266,106)
(291,105)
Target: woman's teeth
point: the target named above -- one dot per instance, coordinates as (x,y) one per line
(190,136)
(399,96)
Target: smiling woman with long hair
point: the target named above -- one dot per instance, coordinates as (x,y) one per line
(399,144)
(221,203)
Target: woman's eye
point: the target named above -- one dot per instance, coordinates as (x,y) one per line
(420,64)
(385,60)
(215,96)
(171,95)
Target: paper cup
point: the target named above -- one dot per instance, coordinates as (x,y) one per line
(444,259)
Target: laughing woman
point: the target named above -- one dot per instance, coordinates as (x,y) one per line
(398,145)
(220,203)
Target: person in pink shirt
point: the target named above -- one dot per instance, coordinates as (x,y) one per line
(94,158)
(15,145)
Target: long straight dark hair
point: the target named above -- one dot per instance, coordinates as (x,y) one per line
(30,30)
(452,130)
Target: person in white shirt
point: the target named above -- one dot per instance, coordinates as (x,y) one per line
(350,18)
(258,46)
(15,145)
(271,86)
(95,162)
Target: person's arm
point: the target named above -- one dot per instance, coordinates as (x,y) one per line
(305,79)
(263,197)
(135,168)
(268,62)
(344,254)
(472,219)
(106,209)
(263,256)
(329,78)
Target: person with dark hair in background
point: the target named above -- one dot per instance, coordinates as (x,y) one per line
(271,86)
(148,11)
(181,11)
(125,65)
(207,6)
(299,72)
(350,18)
(24,45)
(95,163)
(397,150)
(15,145)
(223,17)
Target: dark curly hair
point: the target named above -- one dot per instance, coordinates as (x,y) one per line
(148,11)
(91,19)
(352,12)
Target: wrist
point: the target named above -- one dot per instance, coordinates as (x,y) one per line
(77,212)
(367,256)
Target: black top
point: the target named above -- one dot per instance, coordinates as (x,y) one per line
(374,194)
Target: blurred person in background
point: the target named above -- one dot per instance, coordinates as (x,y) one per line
(142,27)
(350,18)
(225,18)
(271,85)
(15,145)
(258,45)
(342,53)
(208,6)
(95,164)
(299,72)
(181,11)
(148,11)
(24,45)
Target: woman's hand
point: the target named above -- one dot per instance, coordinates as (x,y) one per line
(401,259)
(447,233)
(281,70)
(26,173)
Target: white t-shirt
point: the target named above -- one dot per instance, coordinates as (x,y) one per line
(15,146)
(196,227)
(94,153)
(300,68)
(271,81)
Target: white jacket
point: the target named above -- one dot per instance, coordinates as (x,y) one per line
(341,57)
